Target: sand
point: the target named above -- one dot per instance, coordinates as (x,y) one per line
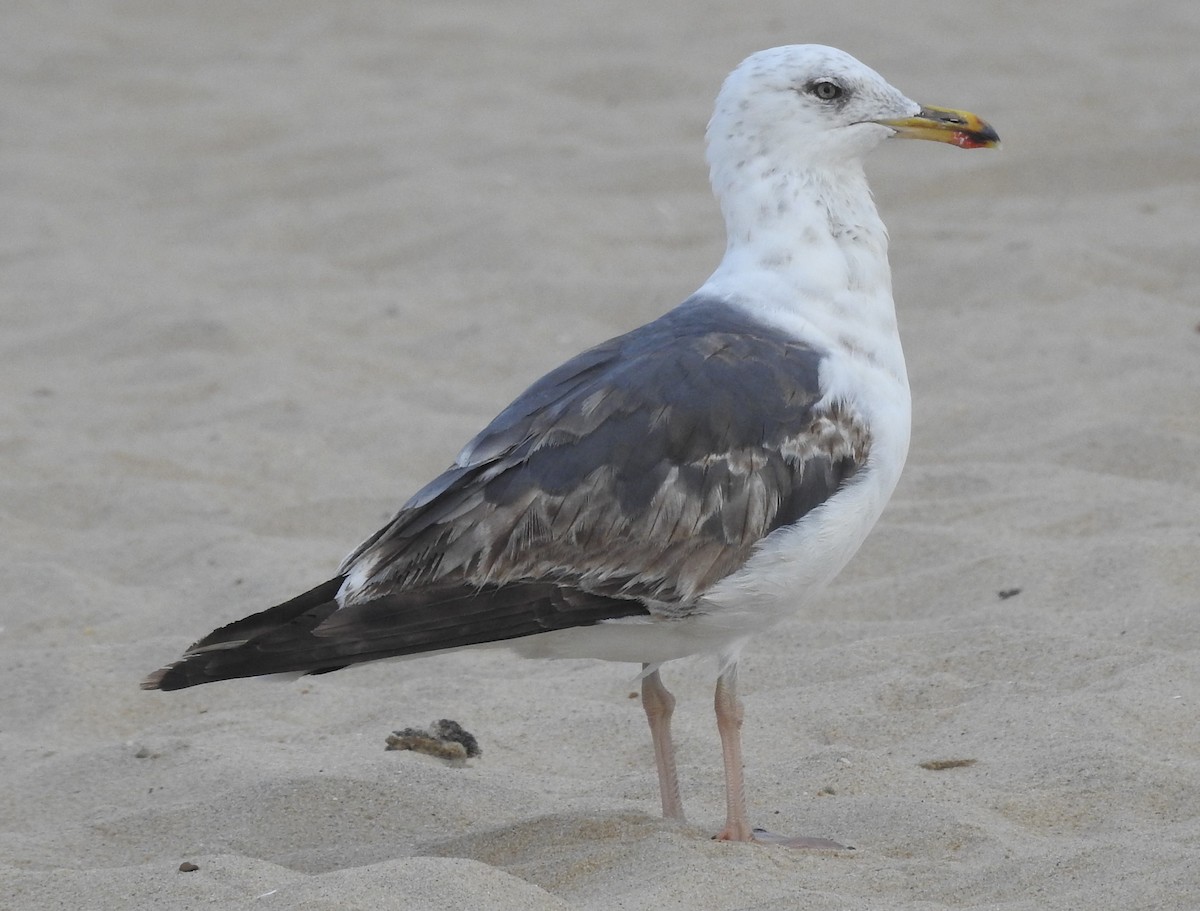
(267,266)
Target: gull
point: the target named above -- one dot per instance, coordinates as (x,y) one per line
(682,487)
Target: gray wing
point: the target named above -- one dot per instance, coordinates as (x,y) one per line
(624,483)
(646,468)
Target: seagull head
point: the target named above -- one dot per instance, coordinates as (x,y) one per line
(817,106)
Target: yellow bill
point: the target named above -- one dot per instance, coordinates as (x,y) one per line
(960,128)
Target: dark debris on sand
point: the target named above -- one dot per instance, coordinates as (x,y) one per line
(444,739)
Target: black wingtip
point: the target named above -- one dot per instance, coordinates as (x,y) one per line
(220,654)
(311,635)
(155,681)
(177,676)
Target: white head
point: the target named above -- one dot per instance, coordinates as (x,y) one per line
(812,104)
(809,106)
(785,148)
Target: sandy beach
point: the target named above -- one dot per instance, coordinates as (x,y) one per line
(267,266)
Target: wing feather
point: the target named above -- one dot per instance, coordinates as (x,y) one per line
(648,467)
(625,483)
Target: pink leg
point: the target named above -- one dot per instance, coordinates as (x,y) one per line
(729,725)
(659,704)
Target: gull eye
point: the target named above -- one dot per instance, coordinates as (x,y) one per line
(826,90)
